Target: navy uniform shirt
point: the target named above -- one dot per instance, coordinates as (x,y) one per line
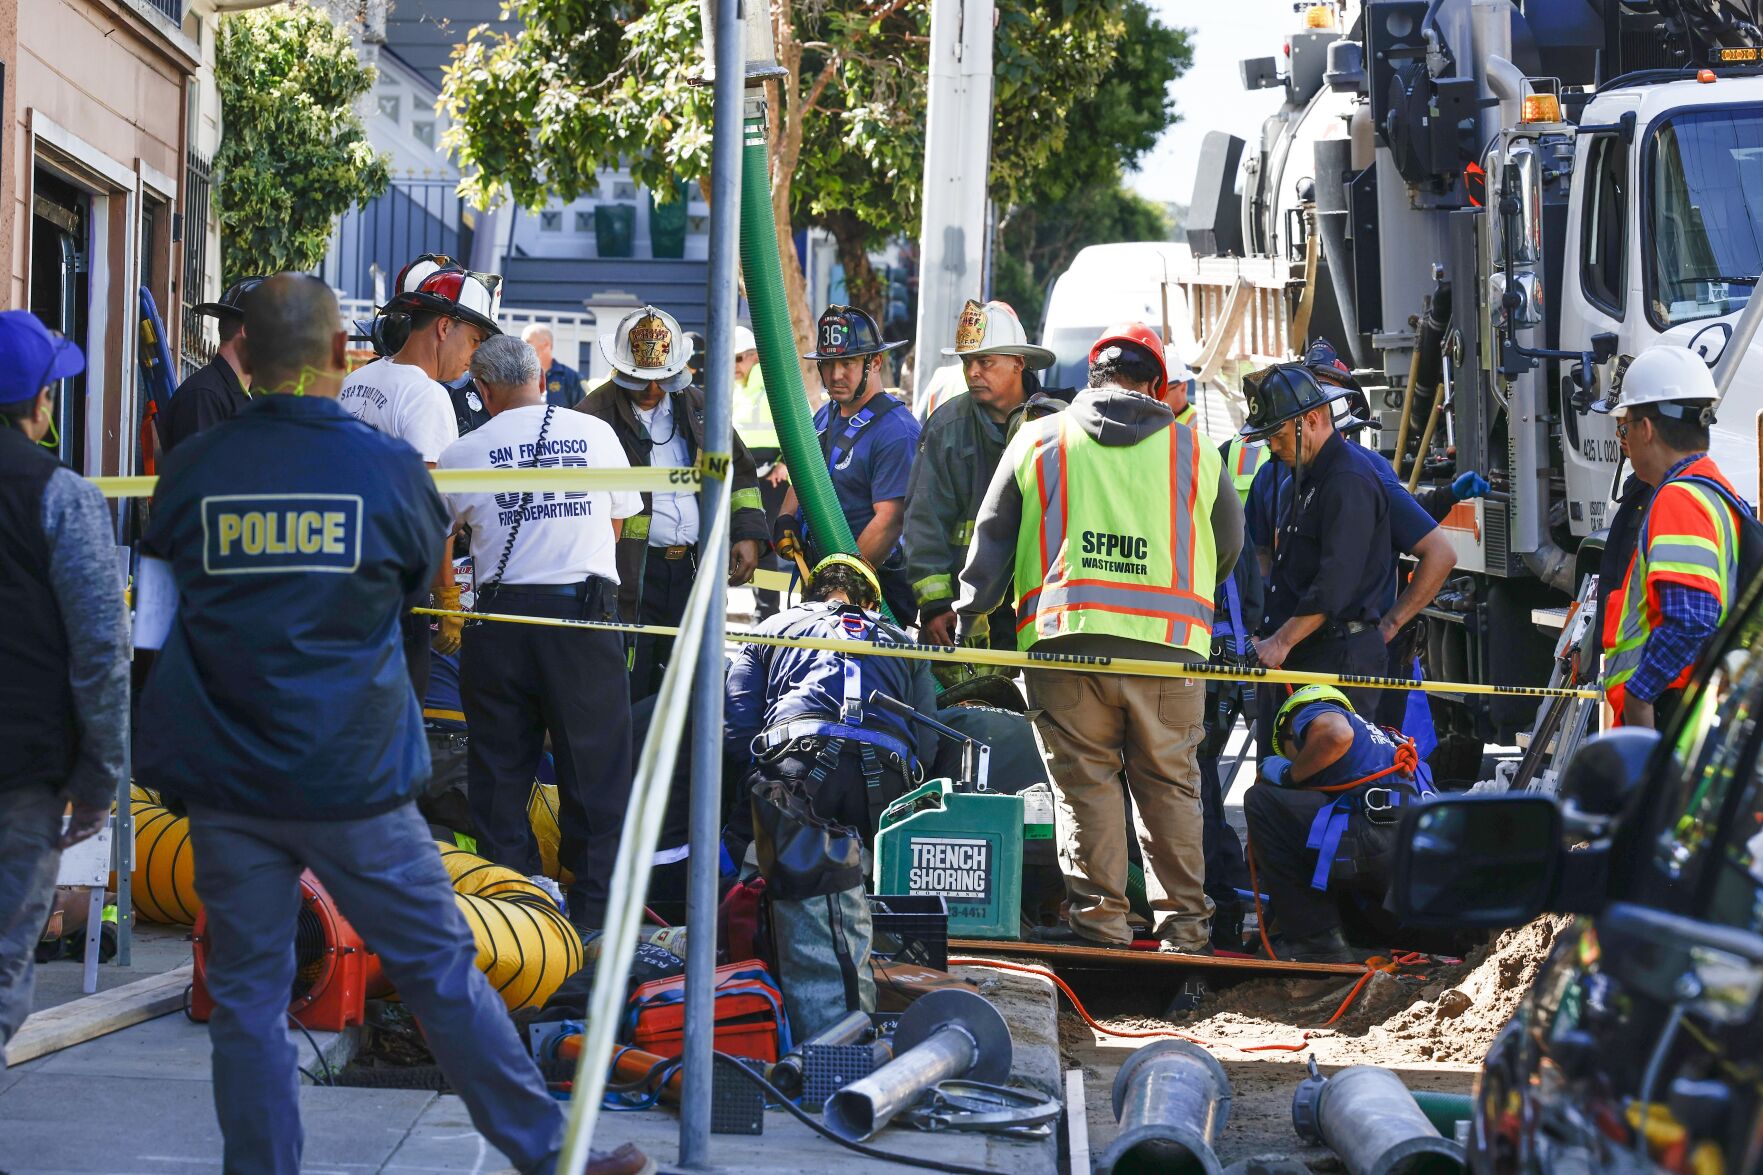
(768,685)
(876,467)
(1372,750)
(209,396)
(1332,553)
(297,537)
(563,386)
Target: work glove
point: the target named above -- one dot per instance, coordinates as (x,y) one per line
(1470,485)
(1277,770)
(786,530)
(452,630)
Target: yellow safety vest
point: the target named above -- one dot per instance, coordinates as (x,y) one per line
(753,412)
(1245,459)
(1689,536)
(1116,539)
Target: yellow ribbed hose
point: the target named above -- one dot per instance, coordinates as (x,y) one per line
(164,880)
(541,810)
(525,947)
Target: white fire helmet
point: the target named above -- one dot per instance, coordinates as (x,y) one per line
(647,347)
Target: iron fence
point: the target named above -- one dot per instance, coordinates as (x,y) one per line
(374,240)
(173,9)
(194,346)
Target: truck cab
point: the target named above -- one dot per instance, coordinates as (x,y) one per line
(1638,1046)
(1665,217)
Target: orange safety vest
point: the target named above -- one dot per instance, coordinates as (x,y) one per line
(1689,536)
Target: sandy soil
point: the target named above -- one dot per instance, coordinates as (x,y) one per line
(1431,1025)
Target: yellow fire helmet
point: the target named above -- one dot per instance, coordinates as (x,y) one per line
(1300,698)
(856,565)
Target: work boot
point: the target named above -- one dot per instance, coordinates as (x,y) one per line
(1185,948)
(1328,947)
(626,1160)
(1227,928)
(1064,934)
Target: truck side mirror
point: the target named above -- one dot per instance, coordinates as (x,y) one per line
(1476,861)
(1521,199)
(1606,773)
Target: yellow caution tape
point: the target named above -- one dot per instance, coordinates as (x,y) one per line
(714,465)
(767,580)
(1129,666)
(473,481)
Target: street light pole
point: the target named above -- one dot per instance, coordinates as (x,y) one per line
(728,45)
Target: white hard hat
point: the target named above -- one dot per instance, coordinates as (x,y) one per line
(994,329)
(1179,371)
(744,341)
(648,347)
(1662,374)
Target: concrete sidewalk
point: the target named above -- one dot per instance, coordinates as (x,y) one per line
(141,1101)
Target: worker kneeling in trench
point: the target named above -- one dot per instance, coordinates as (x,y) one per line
(1322,819)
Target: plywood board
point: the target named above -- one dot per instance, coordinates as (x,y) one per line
(107,1011)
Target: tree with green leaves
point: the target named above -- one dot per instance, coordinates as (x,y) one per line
(581,88)
(293,153)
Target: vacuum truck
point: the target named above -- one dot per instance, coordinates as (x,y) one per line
(1490,207)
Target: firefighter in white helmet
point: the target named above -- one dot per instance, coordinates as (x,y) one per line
(657,413)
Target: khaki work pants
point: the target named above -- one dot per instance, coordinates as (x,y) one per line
(1095,725)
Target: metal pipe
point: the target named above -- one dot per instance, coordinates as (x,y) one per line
(1172,1100)
(948,1033)
(1368,1118)
(1736,348)
(707,686)
(787,1073)
(860,1109)
(1432,424)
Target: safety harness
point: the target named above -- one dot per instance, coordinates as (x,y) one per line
(831,737)
(839,450)
(1410,782)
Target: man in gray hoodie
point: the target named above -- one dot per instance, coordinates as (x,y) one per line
(1116,524)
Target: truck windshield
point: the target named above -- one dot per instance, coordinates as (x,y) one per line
(1705,214)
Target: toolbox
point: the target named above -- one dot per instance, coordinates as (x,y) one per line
(965,847)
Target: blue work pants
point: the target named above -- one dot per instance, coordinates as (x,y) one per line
(30,827)
(386,877)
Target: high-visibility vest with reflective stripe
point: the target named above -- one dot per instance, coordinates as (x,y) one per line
(1245,459)
(753,412)
(1116,539)
(1186,416)
(1689,536)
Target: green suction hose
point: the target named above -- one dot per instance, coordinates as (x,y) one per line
(1444,1110)
(777,349)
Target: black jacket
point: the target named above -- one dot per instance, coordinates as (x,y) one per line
(612,404)
(36,698)
(208,397)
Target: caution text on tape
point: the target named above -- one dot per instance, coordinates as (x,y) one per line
(1084,663)
(472,481)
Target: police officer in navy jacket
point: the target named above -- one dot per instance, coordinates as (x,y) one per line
(280,713)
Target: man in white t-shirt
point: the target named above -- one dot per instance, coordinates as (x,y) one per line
(451,312)
(544,554)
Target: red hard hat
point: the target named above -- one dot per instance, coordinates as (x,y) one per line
(456,293)
(1140,335)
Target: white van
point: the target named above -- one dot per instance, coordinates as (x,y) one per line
(1107,285)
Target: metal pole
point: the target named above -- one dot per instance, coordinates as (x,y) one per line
(707,687)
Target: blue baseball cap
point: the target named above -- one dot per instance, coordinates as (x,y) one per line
(31,358)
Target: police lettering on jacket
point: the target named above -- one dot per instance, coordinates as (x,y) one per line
(249,534)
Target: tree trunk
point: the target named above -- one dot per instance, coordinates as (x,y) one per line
(787,109)
(863,286)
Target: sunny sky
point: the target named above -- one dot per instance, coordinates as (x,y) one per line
(1210,96)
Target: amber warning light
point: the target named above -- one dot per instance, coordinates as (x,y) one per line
(1738,56)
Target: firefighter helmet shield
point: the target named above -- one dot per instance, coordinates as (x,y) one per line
(847,332)
(992,328)
(647,347)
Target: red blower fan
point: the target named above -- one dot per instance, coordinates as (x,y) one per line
(335,974)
